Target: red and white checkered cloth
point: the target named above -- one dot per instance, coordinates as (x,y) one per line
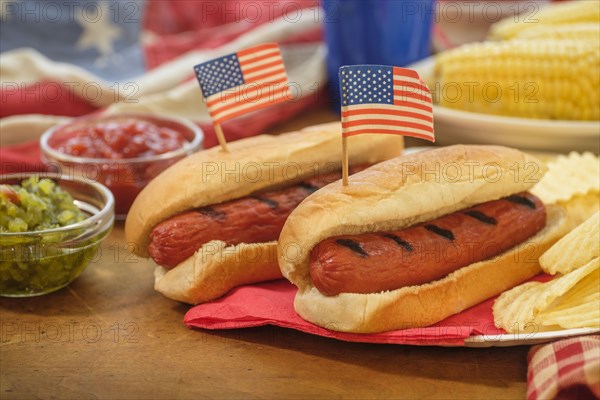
(566,369)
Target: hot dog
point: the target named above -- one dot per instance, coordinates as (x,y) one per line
(252,219)
(375,262)
(406,244)
(211,221)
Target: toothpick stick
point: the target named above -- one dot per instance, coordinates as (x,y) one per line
(344,161)
(221,138)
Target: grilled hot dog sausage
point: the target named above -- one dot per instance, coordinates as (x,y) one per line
(252,219)
(375,262)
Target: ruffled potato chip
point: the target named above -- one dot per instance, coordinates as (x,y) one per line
(568,176)
(578,308)
(569,301)
(575,249)
(514,308)
(580,207)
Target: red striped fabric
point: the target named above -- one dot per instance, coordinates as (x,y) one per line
(566,369)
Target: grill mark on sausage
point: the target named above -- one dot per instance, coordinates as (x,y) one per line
(242,220)
(479,216)
(440,231)
(334,270)
(402,243)
(521,200)
(352,245)
(309,187)
(270,202)
(212,213)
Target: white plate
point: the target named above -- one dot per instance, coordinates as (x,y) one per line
(455,126)
(523,338)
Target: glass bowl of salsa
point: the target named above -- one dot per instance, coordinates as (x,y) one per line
(122,151)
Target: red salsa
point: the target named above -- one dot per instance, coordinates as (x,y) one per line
(126,138)
(129,143)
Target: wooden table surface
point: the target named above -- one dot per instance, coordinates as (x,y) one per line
(109,335)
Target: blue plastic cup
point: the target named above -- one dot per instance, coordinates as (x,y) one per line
(386,32)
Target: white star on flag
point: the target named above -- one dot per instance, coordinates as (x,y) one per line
(98,33)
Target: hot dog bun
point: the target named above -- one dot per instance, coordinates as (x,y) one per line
(212,176)
(399,193)
(283,159)
(215,269)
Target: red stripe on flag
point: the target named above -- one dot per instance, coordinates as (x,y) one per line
(413,95)
(264,77)
(374,121)
(387,112)
(387,132)
(231,99)
(261,67)
(409,104)
(412,85)
(397,71)
(275,100)
(274,53)
(256,49)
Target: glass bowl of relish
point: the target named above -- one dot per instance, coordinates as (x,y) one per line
(121,151)
(51,227)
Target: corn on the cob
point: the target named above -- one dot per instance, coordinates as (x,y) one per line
(547,79)
(581,31)
(580,11)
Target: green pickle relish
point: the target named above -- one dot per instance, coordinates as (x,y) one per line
(35,205)
(33,263)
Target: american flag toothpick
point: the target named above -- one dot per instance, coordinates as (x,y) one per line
(383,99)
(242,82)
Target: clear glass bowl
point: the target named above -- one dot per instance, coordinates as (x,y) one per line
(125,177)
(39,262)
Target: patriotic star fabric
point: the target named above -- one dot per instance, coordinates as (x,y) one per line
(72,58)
(243,82)
(103,37)
(385,99)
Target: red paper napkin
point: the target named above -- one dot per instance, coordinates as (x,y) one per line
(566,369)
(271,303)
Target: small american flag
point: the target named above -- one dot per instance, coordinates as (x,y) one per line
(242,82)
(384,99)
